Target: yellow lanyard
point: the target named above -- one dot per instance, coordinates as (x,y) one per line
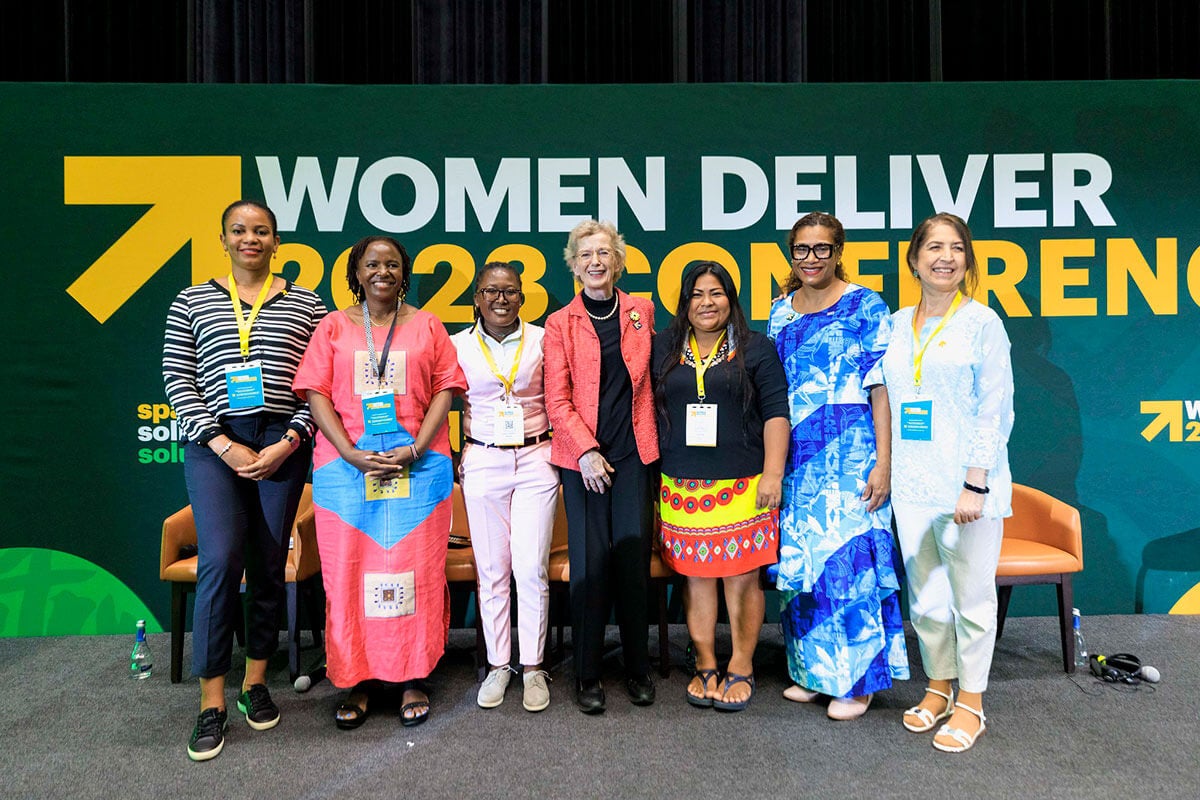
(244,325)
(918,348)
(702,364)
(512,375)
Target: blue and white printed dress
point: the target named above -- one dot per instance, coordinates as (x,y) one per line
(840,606)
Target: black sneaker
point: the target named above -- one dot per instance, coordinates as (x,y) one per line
(256,704)
(208,736)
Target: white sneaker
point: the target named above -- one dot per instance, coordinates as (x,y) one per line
(537,693)
(491,693)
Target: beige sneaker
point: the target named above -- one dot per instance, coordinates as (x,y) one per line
(491,693)
(537,693)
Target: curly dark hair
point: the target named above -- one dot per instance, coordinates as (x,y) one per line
(816,219)
(356,254)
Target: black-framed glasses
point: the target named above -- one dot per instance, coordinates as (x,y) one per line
(491,293)
(820,250)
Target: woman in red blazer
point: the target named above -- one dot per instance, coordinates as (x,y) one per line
(601,406)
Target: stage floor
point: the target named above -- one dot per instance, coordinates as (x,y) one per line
(77,726)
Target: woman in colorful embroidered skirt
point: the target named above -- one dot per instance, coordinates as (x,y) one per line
(949,373)
(837,580)
(379,377)
(722,408)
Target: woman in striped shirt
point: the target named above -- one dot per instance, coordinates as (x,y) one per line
(231,349)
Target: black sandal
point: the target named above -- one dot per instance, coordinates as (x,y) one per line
(414,706)
(705,675)
(349,716)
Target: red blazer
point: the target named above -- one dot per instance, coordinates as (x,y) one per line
(572,374)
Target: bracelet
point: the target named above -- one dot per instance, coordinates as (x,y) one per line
(291,440)
(976,489)
(228,445)
(416,454)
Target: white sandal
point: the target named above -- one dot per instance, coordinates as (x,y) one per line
(928,719)
(965,740)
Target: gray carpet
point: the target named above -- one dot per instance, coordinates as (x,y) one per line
(76,726)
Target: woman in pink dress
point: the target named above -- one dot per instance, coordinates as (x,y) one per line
(379,378)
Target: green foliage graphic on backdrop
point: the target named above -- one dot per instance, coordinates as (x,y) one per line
(48,593)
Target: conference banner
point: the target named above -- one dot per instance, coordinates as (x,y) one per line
(1082,197)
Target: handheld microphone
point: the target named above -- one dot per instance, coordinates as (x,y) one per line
(309,680)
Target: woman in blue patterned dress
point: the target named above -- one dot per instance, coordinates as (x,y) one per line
(839,590)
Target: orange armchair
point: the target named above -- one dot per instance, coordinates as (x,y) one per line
(460,569)
(1043,543)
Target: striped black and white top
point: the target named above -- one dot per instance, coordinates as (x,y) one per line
(202,339)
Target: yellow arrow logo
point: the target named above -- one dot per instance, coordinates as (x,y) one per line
(1170,417)
(186,195)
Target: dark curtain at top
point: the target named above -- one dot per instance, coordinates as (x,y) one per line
(596,41)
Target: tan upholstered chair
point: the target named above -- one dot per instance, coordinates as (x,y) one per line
(177,565)
(1043,543)
(460,569)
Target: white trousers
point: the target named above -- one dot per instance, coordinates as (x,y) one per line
(951,574)
(511,497)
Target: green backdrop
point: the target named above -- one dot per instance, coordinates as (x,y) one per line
(1082,197)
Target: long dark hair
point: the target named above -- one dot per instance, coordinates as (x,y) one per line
(356,254)
(676,334)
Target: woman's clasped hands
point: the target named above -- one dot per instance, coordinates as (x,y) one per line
(381,464)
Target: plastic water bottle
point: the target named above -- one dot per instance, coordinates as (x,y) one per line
(1081,653)
(140,661)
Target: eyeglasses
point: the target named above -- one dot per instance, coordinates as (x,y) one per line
(801,251)
(491,293)
(586,255)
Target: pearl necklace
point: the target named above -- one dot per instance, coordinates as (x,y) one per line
(616,304)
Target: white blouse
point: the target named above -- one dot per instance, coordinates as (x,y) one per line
(485,392)
(967,374)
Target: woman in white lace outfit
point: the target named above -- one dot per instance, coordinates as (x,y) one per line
(948,373)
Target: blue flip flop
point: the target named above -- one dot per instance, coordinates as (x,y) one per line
(730,679)
(705,675)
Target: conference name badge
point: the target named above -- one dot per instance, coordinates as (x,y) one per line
(379,413)
(509,426)
(701,425)
(389,594)
(916,420)
(244,385)
(387,488)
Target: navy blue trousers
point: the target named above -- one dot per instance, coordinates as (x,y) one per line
(241,526)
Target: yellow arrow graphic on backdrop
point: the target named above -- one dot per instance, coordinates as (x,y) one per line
(1169,417)
(186,195)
